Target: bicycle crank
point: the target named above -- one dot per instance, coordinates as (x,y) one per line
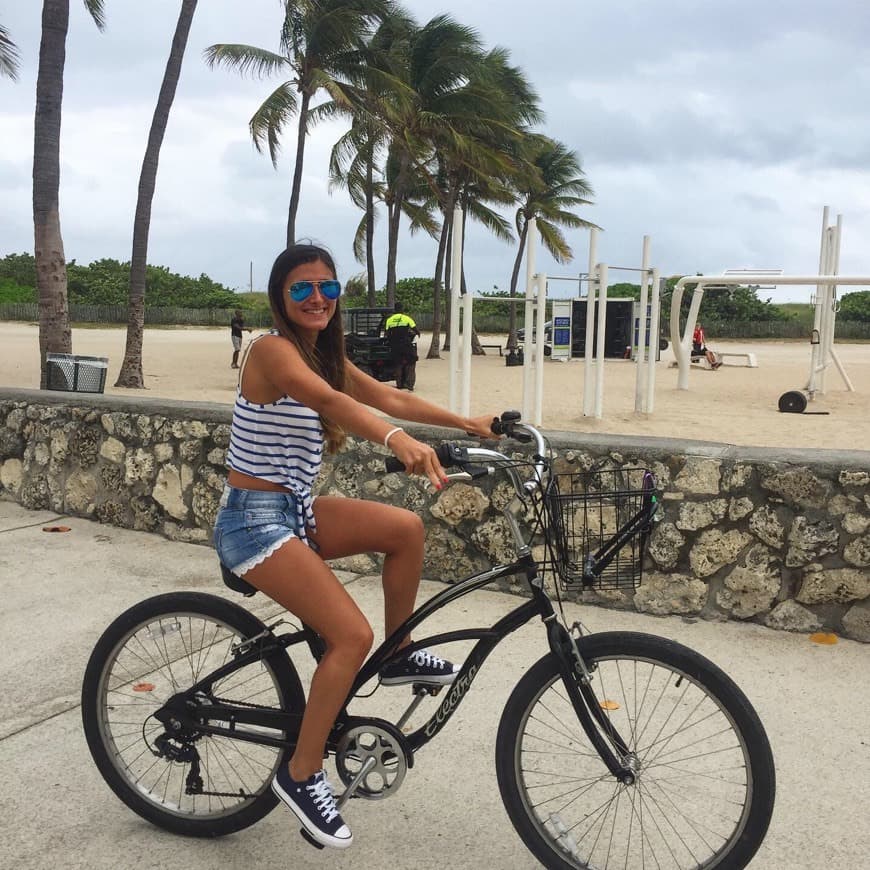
(372,758)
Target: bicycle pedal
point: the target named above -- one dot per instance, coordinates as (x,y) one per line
(431,689)
(310,839)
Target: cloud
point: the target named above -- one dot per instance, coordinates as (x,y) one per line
(721,130)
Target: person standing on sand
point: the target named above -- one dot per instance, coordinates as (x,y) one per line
(401,330)
(237,325)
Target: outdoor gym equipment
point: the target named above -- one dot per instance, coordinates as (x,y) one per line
(825,314)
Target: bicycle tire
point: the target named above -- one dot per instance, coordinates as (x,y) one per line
(152,650)
(682,717)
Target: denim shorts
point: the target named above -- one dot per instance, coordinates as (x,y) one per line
(251,525)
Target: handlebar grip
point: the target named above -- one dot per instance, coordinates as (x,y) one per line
(449,455)
(392,464)
(504,425)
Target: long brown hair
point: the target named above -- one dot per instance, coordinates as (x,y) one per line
(327,357)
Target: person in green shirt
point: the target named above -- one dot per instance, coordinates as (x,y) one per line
(401,331)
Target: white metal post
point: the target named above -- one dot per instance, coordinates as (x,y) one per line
(467,329)
(827,310)
(599,344)
(539,351)
(640,379)
(531,327)
(455,284)
(591,288)
(836,271)
(815,347)
(654,314)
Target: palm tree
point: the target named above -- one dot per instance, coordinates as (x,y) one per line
(437,61)
(474,168)
(548,193)
(51,279)
(352,165)
(8,55)
(354,160)
(131,368)
(369,184)
(321,45)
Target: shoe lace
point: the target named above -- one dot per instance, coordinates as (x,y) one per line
(424,658)
(323,798)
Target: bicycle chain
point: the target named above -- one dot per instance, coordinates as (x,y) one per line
(192,788)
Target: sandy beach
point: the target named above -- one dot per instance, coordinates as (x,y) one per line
(733,405)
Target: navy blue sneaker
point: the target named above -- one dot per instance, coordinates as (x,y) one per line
(419,667)
(313,803)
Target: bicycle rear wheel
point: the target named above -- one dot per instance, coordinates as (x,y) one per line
(148,654)
(705,780)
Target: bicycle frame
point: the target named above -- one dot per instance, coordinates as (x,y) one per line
(176,710)
(197,709)
(176,714)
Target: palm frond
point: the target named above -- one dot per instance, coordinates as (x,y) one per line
(95,8)
(490,219)
(359,239)
(246,59)
(268,121)
(421,218)
(554,241)
(10,59)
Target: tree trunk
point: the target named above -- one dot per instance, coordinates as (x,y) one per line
(51,278)
(437,290)
(370,229)
(131,369)
(512,323)
(297,170)
(393,235)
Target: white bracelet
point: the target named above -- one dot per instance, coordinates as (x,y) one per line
(390,435)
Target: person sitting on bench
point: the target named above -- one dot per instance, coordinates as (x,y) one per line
(699,348)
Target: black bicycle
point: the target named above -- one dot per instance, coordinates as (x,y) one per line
(615,749)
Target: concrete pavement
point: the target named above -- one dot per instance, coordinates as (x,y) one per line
(59,591)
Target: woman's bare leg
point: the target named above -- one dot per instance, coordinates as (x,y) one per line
(346,527)
(296,577)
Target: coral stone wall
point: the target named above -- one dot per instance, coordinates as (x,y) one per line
(775,536)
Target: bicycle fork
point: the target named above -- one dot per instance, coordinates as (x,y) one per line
(578,684)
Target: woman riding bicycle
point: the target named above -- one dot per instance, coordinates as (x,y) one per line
(297,394)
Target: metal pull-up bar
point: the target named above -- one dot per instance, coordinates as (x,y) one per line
(682,343)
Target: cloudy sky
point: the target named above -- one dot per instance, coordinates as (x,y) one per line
(718,127)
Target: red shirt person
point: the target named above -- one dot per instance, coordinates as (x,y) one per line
(699,346)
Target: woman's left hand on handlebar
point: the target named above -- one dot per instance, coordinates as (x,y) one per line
(418,458)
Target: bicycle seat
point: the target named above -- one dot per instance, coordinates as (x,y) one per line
(236,583)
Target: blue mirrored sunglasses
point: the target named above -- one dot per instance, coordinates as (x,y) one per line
(301,290)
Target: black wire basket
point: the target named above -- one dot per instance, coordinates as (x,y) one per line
(597,525)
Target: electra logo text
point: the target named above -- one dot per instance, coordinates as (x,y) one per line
(458,689)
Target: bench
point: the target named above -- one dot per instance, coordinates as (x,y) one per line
(748,359)
(497,347)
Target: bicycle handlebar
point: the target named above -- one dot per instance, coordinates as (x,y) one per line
(452,455)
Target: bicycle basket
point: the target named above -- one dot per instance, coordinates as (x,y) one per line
(597,525)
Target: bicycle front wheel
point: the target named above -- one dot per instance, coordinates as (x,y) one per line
(704,776)
(205,785)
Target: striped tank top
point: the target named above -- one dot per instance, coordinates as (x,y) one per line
(281,442)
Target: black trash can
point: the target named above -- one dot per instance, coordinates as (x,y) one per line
(76,374)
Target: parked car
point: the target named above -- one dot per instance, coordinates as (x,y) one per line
(548,332)
(366,344)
